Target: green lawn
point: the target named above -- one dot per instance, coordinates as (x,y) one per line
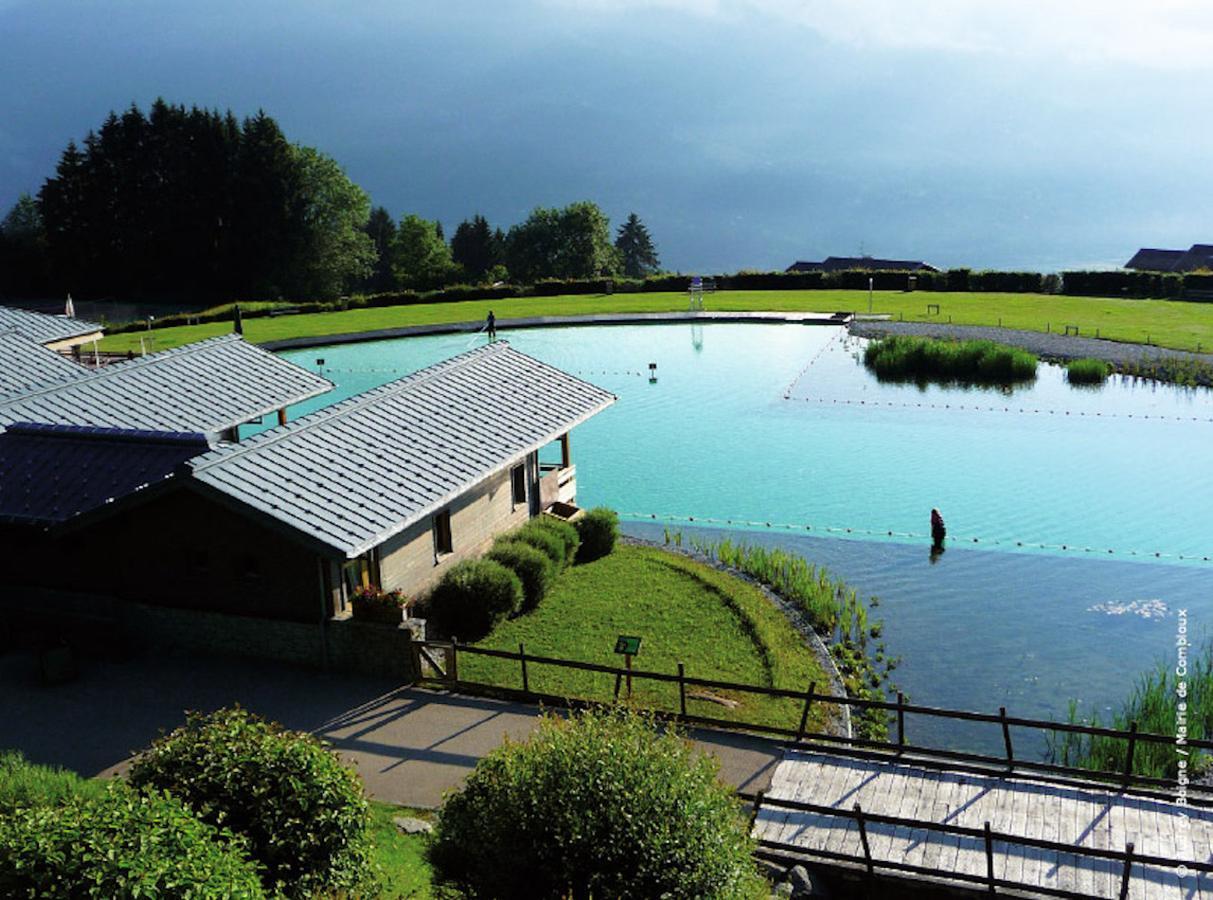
(400,857)
(719,627)
(1168,323)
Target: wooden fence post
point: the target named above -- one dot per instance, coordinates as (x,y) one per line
(618,683)
(863,839)
(1124,878)
(1006,736)
(804,713)
(526,687)
(989,859)
(901,721)
(1128,776)
(453,674)
(682,690)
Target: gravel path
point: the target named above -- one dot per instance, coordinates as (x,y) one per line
(1050,346)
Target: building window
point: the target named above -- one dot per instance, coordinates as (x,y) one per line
(361,572)
(442,533)
(518,478)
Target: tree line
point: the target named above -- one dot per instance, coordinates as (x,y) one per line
(191,203)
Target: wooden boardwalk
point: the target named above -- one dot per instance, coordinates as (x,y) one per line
(1077,816)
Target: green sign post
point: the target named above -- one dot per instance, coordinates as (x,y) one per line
(629,646)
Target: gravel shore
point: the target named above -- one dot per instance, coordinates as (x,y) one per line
(1049,346)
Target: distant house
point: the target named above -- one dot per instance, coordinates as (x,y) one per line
(1198,256)
(390,487)
(862,263)
(52,332)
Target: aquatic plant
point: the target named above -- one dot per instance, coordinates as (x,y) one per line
(833,609)
(1173,370)
(1153,705)
(1087,371)
(908,358)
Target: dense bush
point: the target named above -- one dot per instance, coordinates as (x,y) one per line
(598,529)
(533,568)
(473,597)
(563,530)
(908,358)
(23,783)
(121,843)
(601,805)
(1123,284)
(303,813)
(544,540)
(1087,371)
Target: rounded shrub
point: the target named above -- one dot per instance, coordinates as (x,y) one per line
(599,529)
(542,540)
(533,568)
(473,597)
(599,805)
(120,843)
(566,531)
(304,815)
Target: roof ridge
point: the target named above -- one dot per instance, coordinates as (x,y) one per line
(107,433)
(107,371)
(349,405)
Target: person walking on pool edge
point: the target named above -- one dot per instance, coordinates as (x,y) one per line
(938,530)
(491,324)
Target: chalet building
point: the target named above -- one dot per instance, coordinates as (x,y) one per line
(390,487)
(861,263)
(1198,256)
(52,332)
(211,387)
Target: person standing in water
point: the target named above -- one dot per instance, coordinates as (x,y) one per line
(491,324)
(938,530)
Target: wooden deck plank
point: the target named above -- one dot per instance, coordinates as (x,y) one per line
(1077,817)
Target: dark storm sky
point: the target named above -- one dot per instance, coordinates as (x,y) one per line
(746,133)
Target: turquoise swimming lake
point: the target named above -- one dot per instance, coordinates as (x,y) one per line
(1079,520)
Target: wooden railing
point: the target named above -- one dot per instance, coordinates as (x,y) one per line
(897,746)
(987,837)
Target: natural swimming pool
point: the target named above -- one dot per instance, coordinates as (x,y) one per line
(753,423)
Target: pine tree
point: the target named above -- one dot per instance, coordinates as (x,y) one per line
(636,246)
(476,247)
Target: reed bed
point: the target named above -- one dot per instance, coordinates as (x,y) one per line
(1087,371)
(834,610)
(1154,705)
(907,358)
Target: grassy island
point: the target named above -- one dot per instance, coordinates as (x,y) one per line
(907,358)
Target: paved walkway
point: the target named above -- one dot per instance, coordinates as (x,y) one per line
(409,744)
(1090,817)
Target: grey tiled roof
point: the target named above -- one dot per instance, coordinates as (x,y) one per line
(350,476)
(205,387)
(50,473)
(44,328)
(1152,260)
(25,364)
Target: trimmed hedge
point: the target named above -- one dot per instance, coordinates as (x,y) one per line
(472,597)
(599,529)
(123,843)
(545,541)
(600,805)
(566,531)
(533,568)
(304,815)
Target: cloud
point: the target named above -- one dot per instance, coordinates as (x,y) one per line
(1164,34)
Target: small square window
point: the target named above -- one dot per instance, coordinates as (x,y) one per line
(518,478)
(442,533)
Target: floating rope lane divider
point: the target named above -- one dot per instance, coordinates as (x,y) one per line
(871,532)
(1009,409)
